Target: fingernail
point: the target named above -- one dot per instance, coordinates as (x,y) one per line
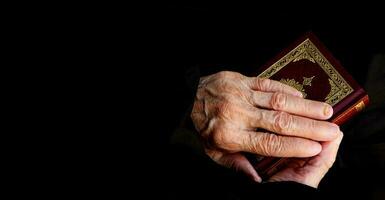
(328,110)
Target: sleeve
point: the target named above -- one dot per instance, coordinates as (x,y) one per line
(283,190)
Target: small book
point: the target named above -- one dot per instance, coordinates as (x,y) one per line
(311,69)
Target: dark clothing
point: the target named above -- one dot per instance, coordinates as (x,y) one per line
(192,175)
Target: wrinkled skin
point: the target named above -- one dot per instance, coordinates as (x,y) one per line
(231,113)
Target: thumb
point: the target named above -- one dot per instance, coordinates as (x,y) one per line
(239,162)
(329,151)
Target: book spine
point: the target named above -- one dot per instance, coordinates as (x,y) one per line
(351,111)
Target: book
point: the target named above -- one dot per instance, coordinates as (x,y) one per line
(310,68)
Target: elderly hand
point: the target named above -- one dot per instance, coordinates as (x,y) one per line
(231,109)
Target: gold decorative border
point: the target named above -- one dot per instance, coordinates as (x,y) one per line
(307,47)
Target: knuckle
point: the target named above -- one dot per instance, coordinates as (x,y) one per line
(252,143)
(270,145)
(313,124)
(224,74)
(263,83)
(218,137)
(282,122)
(278,101)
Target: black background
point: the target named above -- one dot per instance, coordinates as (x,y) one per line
(124,88)
(247,36)
(106,84)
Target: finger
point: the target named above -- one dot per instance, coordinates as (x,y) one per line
(267,85)
(329,150)
(283,123)
(267,144)
(292,104)
(239,162)
(313,169)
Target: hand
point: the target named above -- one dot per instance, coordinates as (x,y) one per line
(310,171)
(229,108)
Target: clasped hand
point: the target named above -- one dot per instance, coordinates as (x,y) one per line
(231,112)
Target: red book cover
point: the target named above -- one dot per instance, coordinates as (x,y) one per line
(310,68)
